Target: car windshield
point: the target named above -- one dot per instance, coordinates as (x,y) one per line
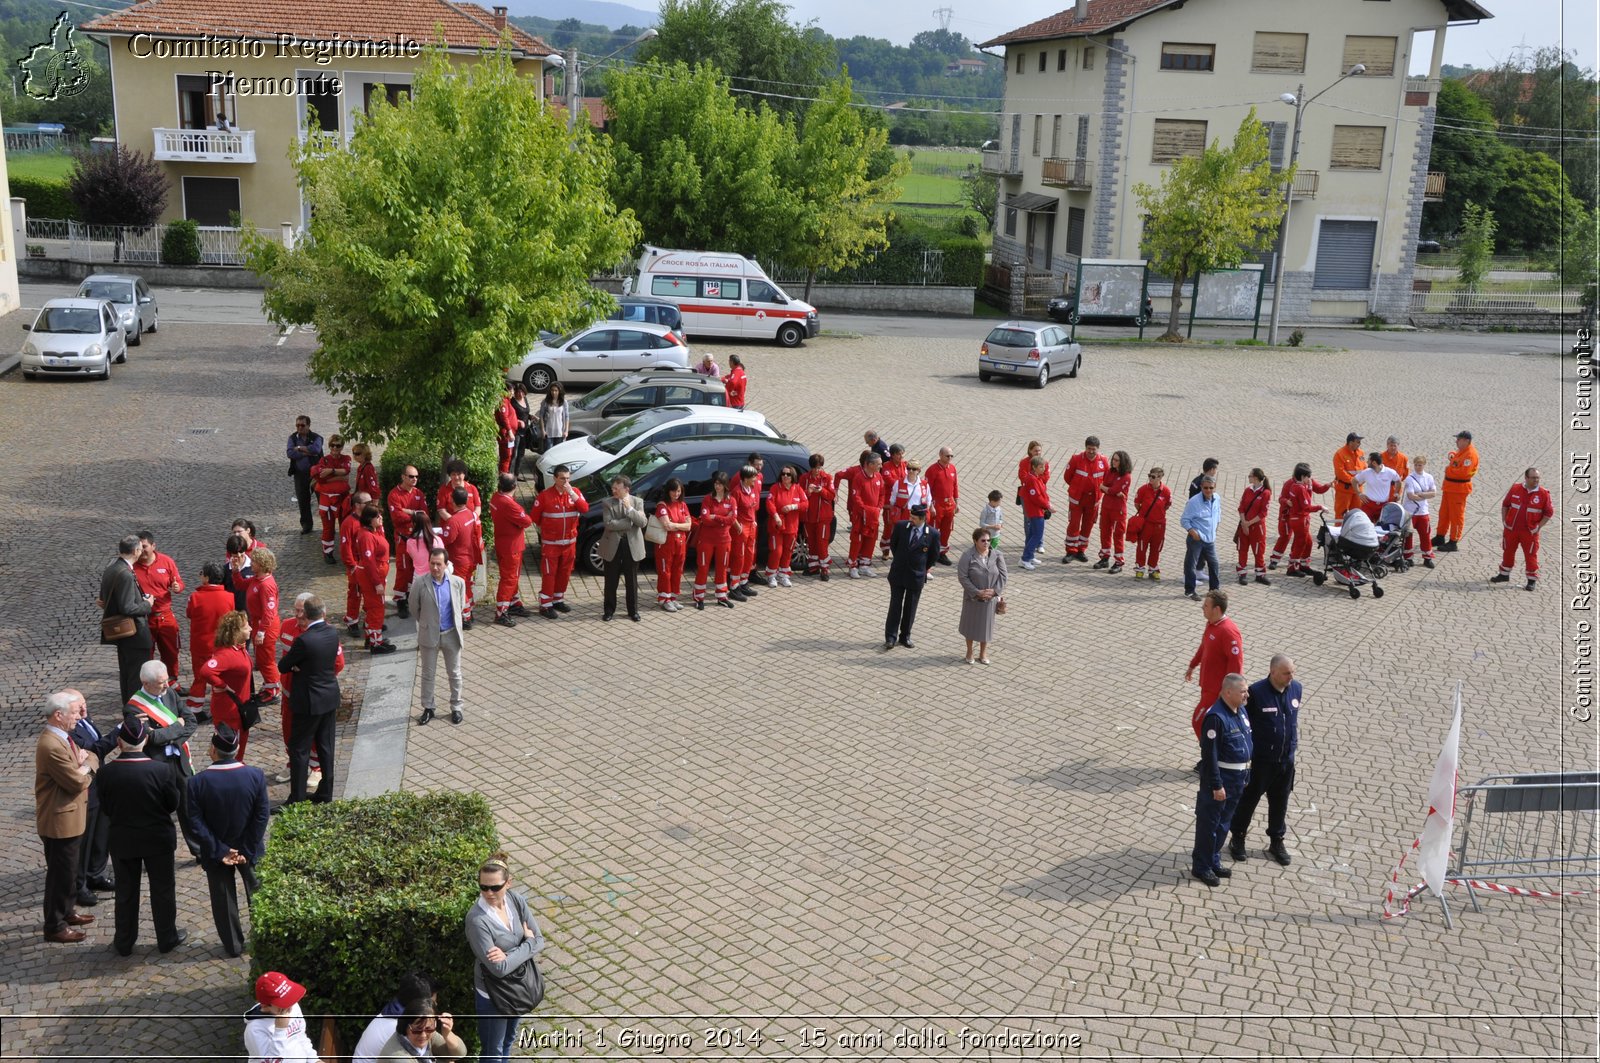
(562,341)
(628,429)
(112,291)
(1011,337)
(69,319)
(634,465)
(600,395)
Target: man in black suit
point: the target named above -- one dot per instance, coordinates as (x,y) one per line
(120,596)
(93,854)
(227,811)
(313,701)
(170,724)
(915,547)
(141,795)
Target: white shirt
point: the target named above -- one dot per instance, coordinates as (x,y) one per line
(373,1037)
(1417,482)
(265,1043)
(1376,483)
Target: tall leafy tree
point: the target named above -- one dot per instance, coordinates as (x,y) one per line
(1535,205)
(1551,103)
(1477,245)
(1468,152)
(752,42)
(1212,210)
(457,224)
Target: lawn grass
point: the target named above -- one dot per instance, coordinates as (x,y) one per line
(935,175)
(40,165)
(926,188)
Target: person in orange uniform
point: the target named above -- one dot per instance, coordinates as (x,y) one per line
(509,424)
(867,491)
(372,570)
(786,504)
(1347,461)
(1085,473)
(1524,512)
(1280,546)
(942,482)
(713,540)
(261,606)
(1394,458)
(1453,492)
(1254,504)
(672,512)
(209,603)
(1150,507)
(366,473)
(463,544)
(742,551)
(1221,652)
(1301,505)
(408,507)
(1114,512)
(157,575)
(556,510)
(820,493)
(511,523)
(349,528)
(895,509)
(227,672)
(735,382)
(332,477)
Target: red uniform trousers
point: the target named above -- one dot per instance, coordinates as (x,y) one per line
(164,630)
(1452,511)
(509,562)
(1113,530)
(1371,508)
(331,509)
(1147,554)
(706,557)
(403,571)
(1280,545)
(372,595)
(1528,542)
(1080,522)
(742,558)
(780,550)
(1255,539)
(945,520)
(352,594)
(266,652)
(863,535)
(1420,526)
(555,572)
(817,546)
(669,566)
(508,450)
(1300,547)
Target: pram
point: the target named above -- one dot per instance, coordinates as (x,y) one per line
(1392,525)
(1351,565)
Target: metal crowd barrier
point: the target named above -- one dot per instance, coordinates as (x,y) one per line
(1529,827)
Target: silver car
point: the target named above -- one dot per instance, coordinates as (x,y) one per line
(1035,350)
(132,299)
(74,337)
(598,353)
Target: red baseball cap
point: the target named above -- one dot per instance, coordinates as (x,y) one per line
(277,990)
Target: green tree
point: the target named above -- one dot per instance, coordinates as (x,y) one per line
(1550,101)
(981,193)
(1476,247)
(457,224)
(1535,205)
(752,42)
(119,187)
(1468,152)
(1212,210)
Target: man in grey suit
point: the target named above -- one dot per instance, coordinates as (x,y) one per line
(120,596)
(437,602)
(624,519)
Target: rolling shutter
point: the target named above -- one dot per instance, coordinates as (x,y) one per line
(1279,53)
(1356,147)
(1278,145)
(1176,138)
(1344,255)
(1376,53)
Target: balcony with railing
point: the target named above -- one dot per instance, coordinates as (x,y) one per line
(1066,173)
(1422,84)
(1433,187)
(1002,163)
(205,145)
(1305,184)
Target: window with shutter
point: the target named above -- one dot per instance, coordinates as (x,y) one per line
(1279,53)
(1357,147)
(1088,57)
(1043,58)
(1375,53)
(1061,59)
(1019,62)
(1055,137)
(1083,137)
(1278,145)
(1176,138)
(1075,218)
(1199,57)
(1038,132)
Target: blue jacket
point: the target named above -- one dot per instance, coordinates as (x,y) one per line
(1224,738)
(1274,721)
(228,809)
(1202,516)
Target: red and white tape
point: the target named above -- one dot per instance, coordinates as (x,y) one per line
(1389,911)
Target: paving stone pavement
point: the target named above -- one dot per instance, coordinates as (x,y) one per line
(730,819)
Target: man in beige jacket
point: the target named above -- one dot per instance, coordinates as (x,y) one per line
(62,771)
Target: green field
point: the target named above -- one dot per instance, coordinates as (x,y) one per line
(41,165)
(935,175)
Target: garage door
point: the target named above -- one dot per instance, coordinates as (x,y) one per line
(1344,255)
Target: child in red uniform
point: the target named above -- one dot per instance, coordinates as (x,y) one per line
(372,569)
(1036,509)
(714,540)
(672,513)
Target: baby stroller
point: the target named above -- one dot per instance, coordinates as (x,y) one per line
(1351,565)
(1392,524)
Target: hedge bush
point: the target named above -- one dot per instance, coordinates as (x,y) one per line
(46,198)
(356,893)
(180,246)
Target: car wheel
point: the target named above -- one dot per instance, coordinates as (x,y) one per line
(155,321)
(589,554)
(985,377)
(1142,320)
(137,337)
(1072,316)
(122,359)
(105,374)
(1076,362)
(539,378)
(790,335)
(1044,376)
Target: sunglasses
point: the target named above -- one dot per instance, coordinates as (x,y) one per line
(484,887)
(423,1027)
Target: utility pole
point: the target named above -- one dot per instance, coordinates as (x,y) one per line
(943,15)
(573,88)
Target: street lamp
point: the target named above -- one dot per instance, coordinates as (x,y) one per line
(1298,100)
(575,73)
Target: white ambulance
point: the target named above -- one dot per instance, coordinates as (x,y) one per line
(722,294)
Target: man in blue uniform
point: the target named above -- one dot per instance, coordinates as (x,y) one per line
(140,796)
(228,813)
(1273,705)
(1225,751)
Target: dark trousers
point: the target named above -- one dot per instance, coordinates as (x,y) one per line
(1212,818)
(92,853)
(902,612)
(132,654)
(60,882)
(1196,551)
(163,899)
(307,730)
(303,495)
(1274,780)
(225,901)
(625,568)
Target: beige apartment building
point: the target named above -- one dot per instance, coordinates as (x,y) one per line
(218,92)
(1109,93)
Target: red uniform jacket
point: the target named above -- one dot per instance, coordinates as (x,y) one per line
(557,516)
(1035,496)
(781,496)
(748,504)
(1025,466)
(715,526)
(866,492)
(1253,505)
(474,500)
(330,491)
(734,384)
(1152,504)
(1522,509)
(820,492)
(227,667)
(894,472)
(348,529)
(402,503)
(161,581)
(675,513)
(261,605)
(1221,652)
(207,605)
(942,482)
(510,522)
(1115,490)
(367,480)
(1084,476)
(372,554)
(1297,497)
(506,418)
(462,543)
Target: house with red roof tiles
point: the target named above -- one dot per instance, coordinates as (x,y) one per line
(1110,93)
(218,93)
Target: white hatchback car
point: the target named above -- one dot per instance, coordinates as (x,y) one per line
(660,425)
(601,352)
(74,337)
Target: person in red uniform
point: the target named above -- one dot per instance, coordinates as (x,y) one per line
(289,629)
(227,672)
(1254,504)
(1036,509)
(556,510)
(820,493)
(511,524)
(895,505)
(1221,652)
(209,603)
(463,544)
(1301,506)
(245,531)
(407,507)
(349,528)
(1280,546)
(455,475)
(366,473)
(1114,512)
(1025,466)
(158,577)
(742,551)
(735,382)
(372,570)
(332,477)
(713,540)
(1148,528)
(1525,510)
(509,424)
(946,490)
(786,504)
(867,490)
(672,512)
(1085,473)
(261,606)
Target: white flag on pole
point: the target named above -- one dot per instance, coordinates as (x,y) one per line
(1433,851)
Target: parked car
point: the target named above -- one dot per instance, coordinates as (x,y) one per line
(660,425)
(1064,308)
(130,297)
(74,337)
(595,354)
(1429,247)
(626,396)
(1032,349)
(649,308)
(692,461)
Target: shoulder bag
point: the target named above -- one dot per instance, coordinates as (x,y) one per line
(117,627)
(654,530)
(249,710)
(521,990)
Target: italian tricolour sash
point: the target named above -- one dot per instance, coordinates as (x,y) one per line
(157,710)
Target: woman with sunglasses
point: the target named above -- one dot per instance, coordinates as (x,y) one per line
(421,1031)
(1149,525)
(503,935)
(786,504)
(672,513)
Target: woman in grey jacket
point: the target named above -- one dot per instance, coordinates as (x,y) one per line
(502,934)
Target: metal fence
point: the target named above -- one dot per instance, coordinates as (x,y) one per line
(1534,296)
(220,245)
(1543,827)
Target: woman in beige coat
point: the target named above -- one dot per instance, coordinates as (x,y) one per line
(982,572)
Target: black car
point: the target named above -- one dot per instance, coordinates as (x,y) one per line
(693,461)
(1064,308)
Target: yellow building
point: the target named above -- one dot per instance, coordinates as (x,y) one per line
(218,93)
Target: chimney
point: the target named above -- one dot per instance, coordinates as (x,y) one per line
(1079,13)
(500,17)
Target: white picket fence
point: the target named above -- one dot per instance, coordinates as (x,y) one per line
(220,245)
(1547,297)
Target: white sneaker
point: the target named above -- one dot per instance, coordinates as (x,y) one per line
(1030,565)
(677,606)
(313,780)
(772,581)
(855,573)
(783,581)
(866,570)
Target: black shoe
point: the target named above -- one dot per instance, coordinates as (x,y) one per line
(1222,872)
(182,936)
(1192,596)
(1104,562)
(455,716)
(1298,573)
(548,614)
(700,605)
(102,884)
(823,575)
(381,647)
(1243,580)
(1197,766)
(1272,566)
(562,607)
(1438,541)
(738,595)
(944,559)
(907,644)
(1116,568)
(354,631)
(888,644)
(427,714)
(1278,852)
(1264,581)
(305,531)
(1209,878)
(402,609)
(202,716)
(1501,578)
(330,559)
(120,951)
(1533,585)
(518,609)
(504,620)
(747,590)
(725,602)
(1451,546)
(466,625)
(1066,559)
(1081,556)
(1427,562)
(1236,849)
(605,616)
(635,617)
(87,899)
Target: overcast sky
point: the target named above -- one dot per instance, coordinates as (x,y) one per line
(1532,22)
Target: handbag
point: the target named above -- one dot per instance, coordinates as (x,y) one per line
(521,990)
(654,530)
(1135,525)
(249,710)
(117,627)
(1000,607)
